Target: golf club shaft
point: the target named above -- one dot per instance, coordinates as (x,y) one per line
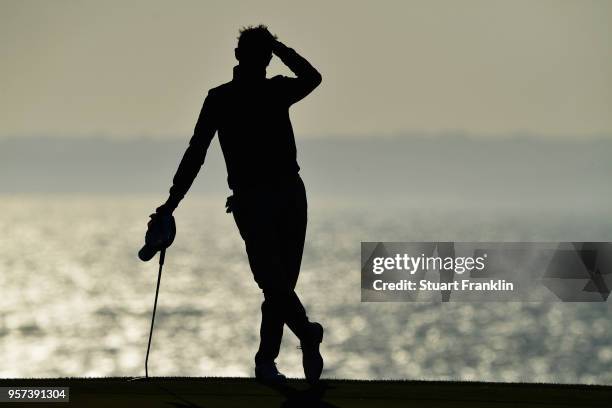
(162,256)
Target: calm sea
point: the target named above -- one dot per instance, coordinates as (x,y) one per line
(76,301)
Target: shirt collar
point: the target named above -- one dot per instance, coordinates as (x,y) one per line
(241,75)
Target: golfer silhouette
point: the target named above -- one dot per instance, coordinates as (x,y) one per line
(251,115)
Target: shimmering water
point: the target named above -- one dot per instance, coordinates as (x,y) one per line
(75,300)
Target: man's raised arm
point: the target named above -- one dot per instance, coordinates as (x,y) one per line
(308,78)
(194,156)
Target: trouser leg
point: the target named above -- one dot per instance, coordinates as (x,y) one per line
(270,331)
(274,232)
(293,233)
(276,310)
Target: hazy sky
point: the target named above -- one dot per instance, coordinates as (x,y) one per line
(130,68)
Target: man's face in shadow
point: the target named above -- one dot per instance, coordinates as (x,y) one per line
(254,55)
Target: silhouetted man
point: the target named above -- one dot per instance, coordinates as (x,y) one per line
(251,115)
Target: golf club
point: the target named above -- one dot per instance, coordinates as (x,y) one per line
(162,255)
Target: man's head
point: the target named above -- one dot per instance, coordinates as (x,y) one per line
(254,49)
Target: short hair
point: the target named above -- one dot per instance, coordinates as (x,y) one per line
(255,37)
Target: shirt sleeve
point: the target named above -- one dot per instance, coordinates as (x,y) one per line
(306,80)
(195,154)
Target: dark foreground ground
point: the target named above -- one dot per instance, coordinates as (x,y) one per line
(244,392)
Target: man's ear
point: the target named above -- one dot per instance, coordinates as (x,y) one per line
(237,54)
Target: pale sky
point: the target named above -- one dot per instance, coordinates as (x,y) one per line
(141,68)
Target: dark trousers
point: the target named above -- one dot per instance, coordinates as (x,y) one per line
(272,223)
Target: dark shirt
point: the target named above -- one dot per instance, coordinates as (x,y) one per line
(251,115)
